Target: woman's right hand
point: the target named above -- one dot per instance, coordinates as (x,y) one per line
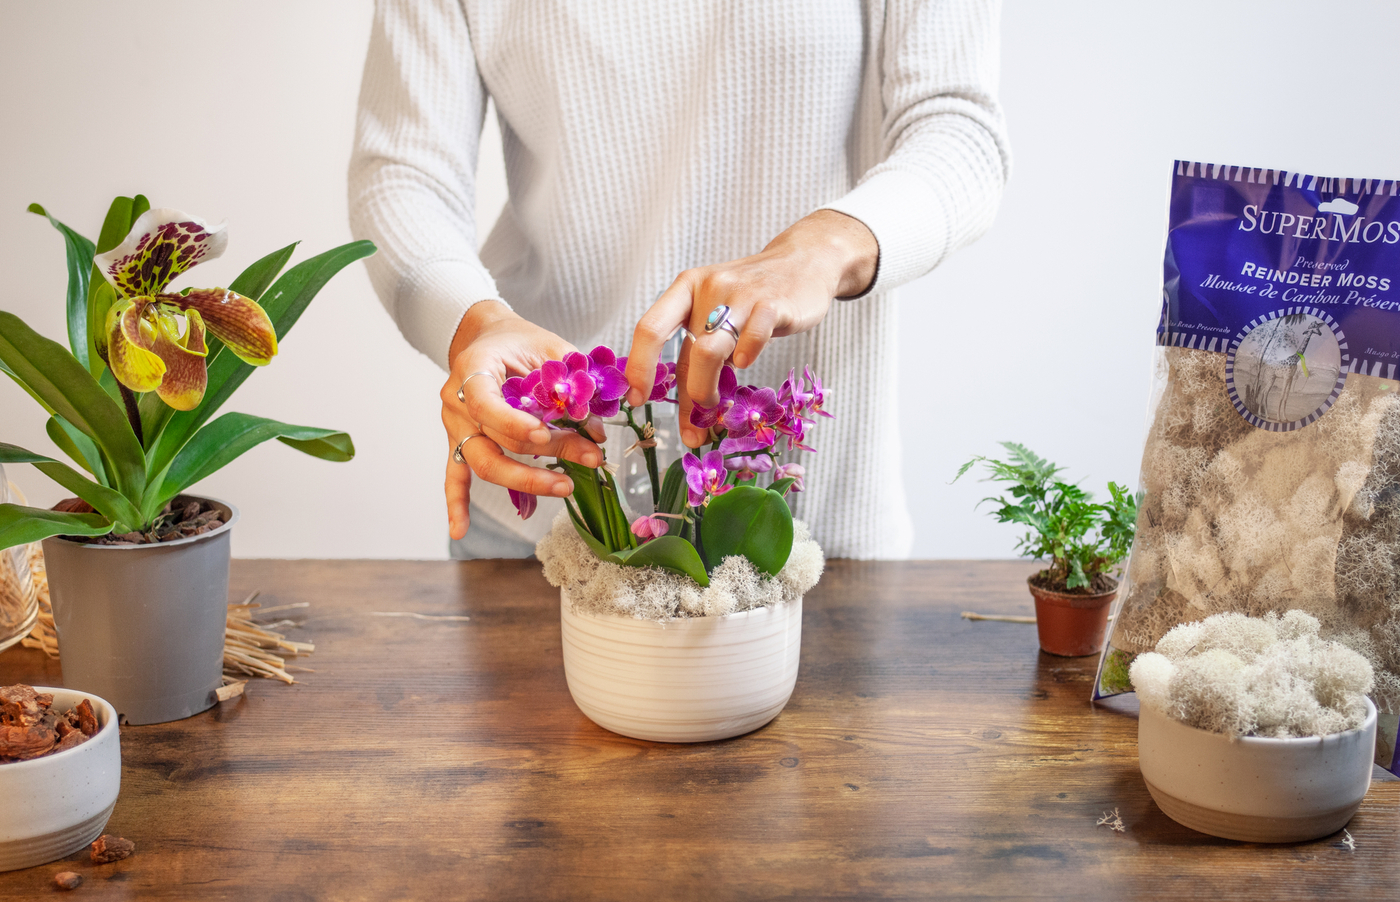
(492,339)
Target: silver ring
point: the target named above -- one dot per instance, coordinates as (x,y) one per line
(457,452)
(461,392)
(718,321)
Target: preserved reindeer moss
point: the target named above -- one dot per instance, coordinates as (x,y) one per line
(1240,519)
(1244,676)
(650,593)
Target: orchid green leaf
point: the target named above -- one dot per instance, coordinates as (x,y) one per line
(108,502)
(79,254)
(600,551)
(781,486)
(253,282)
(77,446)
(21,525)
(284,303)
(673,493)
(20,382)
(751,522)
(669,553)
(69,391)
(228,437)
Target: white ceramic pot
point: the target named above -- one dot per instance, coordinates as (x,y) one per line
(1255,789)
(53,806)
(689,680)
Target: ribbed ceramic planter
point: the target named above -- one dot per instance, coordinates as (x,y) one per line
(51,807)
(1255,789)
(143,625)
(1071,625)
(689,680)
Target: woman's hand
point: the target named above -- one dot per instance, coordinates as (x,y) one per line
(783,290)
(493,340)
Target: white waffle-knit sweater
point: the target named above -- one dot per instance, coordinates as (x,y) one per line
(643,138)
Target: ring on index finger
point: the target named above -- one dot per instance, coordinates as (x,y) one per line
(457,452)
(461,392)
(719,321)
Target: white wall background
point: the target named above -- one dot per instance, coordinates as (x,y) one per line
(245,112)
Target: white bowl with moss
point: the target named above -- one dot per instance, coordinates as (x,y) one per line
(652,655)
(1255,729)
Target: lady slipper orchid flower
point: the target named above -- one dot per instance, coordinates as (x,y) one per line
(524,502)
(704,478)
(154,340)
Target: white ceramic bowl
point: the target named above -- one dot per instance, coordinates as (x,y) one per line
(690,680)
(1255,789)
(53,806)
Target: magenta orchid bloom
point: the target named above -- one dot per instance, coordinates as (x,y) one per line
(755,414)
(565,389)
(746,467)
(796,471)
(606,370)
(662,382)
(795,429)
(705,417)
(704,478)
(154,340)
(524,502)
(519,392)
(650,527)
(817,393)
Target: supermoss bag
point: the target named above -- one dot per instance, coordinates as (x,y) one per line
(1271,470)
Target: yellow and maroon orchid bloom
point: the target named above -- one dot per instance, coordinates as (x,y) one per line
(155,340)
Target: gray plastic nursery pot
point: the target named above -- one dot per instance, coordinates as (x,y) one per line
(143,625)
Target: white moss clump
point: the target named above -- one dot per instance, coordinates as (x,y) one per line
(650,593)
(1266,676)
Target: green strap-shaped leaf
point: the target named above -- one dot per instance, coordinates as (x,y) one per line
(80,252)
(228,437)
(284,302)
(751,522)
(669,553)
(69,391)
(673,490)
(781,486)
(600,551)
(254,281)
(21,525)
(79,447)
(108,502)
(29,391)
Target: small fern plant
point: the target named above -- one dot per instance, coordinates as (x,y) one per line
(1085,542)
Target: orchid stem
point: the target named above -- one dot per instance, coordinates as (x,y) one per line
(133,413)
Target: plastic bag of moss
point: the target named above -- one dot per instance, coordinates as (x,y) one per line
(1271,470)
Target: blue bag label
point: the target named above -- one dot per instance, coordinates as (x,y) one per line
(1296,278)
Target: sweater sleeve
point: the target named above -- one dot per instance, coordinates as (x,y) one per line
(412,181)
(944,157)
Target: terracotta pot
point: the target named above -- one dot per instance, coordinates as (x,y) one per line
(1071,625)
(1255,789)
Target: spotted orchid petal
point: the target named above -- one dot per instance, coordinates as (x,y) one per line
(240,323)
(161,244)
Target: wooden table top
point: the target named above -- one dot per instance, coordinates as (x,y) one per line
(922,756)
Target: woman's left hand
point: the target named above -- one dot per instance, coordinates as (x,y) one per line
(785,289)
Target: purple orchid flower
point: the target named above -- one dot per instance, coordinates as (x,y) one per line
(704,478)
(524,502)
(662,382)
(796,471)
(565,389)
(754,414)
(705,417)
(607,372)
(519,393)
(748,467)
(793,395)
(794,428)
(818,395)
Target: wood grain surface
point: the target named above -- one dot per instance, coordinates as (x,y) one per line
(922,756)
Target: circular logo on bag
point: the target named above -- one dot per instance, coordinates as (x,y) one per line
(1286,368)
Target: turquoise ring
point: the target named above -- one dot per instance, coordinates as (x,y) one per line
(718,321)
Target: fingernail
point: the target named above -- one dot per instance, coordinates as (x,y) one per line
(592,460)
(540,436)
(563,489)
(634,398)
(741,361)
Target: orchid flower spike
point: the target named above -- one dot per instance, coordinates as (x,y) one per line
(154,340)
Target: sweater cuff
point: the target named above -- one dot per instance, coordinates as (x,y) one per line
(434,298)
(909,221)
